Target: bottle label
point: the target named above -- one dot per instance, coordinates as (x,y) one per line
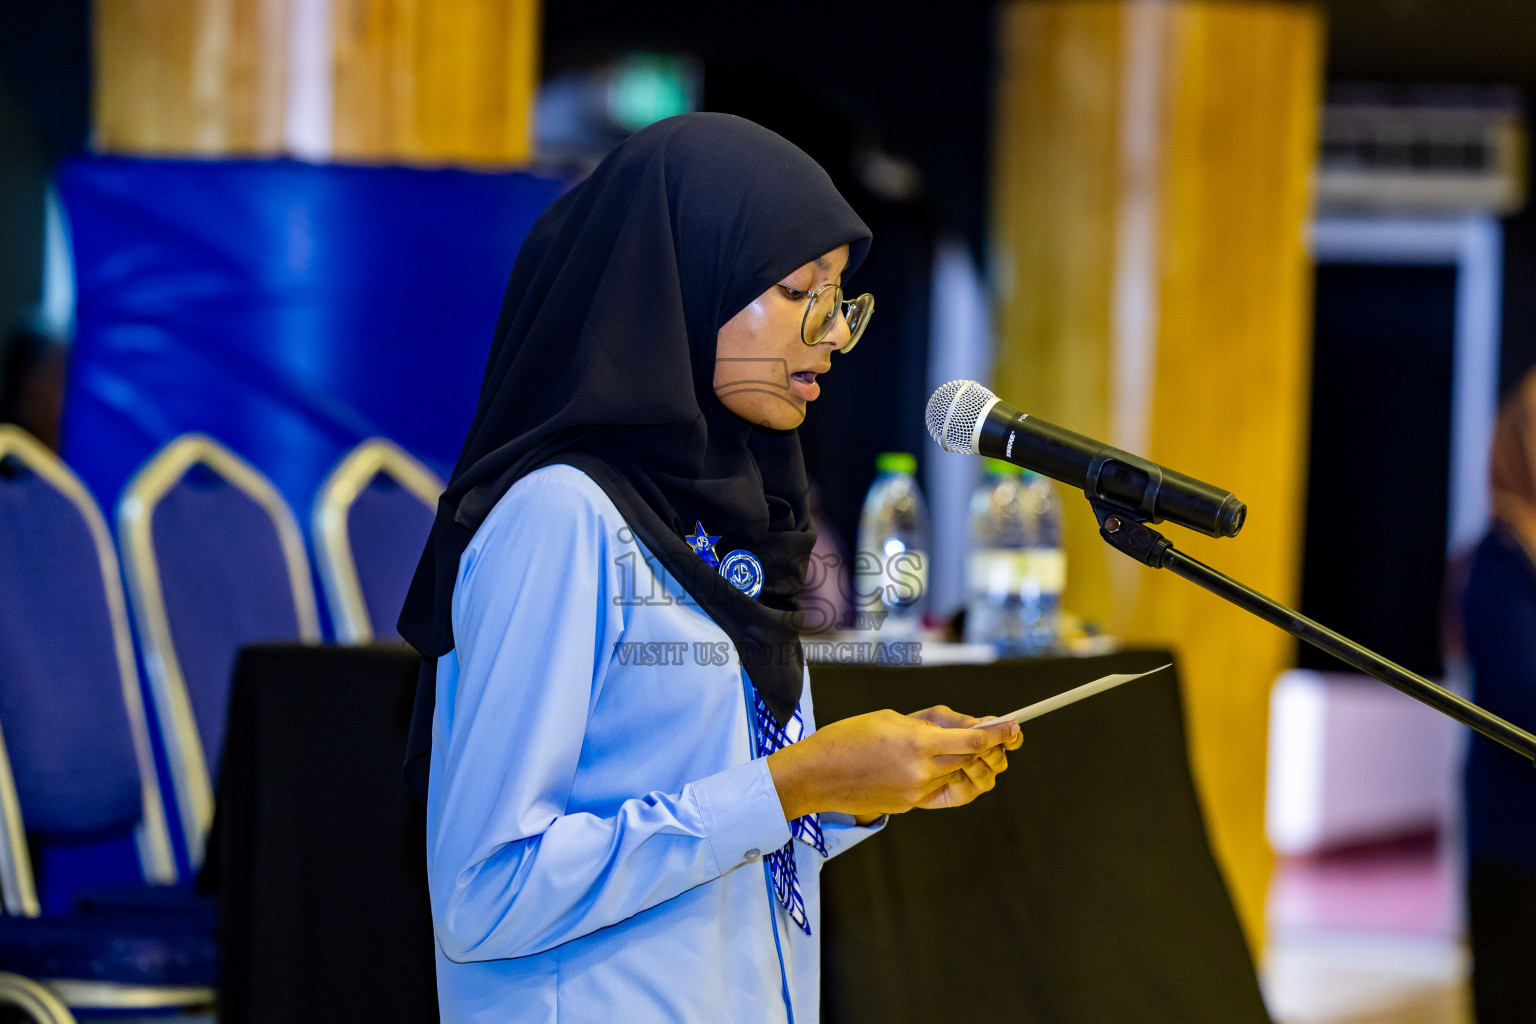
(1001,572)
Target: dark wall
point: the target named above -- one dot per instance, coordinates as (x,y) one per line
(1488,41)
(24,170)
(45,63)
(1373,560)
(916,80)
(1471,41)
(44,85)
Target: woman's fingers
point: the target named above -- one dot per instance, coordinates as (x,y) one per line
(983,771)
(965,783)
(956,748)
(953,790)
(884,762)
(944,717)
(970,741)
(997,758)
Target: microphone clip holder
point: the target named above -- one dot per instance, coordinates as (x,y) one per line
(1152,489)
(1126,531)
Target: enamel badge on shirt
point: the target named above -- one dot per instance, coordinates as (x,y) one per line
(743,571)
(704,545)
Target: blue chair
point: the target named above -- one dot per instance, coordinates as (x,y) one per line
(80,768)
(371,517)
(93,965)
(39,1004)
(214,561)
(68,685)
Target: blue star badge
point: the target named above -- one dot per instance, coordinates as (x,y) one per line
(704,545)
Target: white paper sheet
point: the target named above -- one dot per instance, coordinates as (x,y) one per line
(1072,696)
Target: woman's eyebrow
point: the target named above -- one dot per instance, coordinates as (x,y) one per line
(822,263)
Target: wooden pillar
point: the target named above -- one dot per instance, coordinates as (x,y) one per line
(410,81)
(1150,202)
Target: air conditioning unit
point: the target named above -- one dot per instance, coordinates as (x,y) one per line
(1422,147)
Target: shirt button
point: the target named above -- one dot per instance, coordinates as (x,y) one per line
(753,853)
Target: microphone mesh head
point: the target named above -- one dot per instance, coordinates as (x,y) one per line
(952,414)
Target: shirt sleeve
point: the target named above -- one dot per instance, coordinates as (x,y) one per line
(512,871)
(840,833)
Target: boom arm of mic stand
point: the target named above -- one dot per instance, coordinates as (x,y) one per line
(1125,531)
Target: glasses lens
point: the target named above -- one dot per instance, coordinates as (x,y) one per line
(857,311)
(822,315)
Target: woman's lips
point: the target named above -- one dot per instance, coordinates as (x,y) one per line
(804,384)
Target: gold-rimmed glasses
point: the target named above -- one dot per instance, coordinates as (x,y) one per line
(821,313)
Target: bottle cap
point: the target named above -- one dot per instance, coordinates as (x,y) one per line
(896,462)
(1002,468)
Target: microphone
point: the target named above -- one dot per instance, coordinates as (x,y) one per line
(965,417)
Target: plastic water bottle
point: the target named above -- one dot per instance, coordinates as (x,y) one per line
(1017,567)
(890,568)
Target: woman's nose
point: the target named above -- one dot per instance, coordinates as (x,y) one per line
(839,335)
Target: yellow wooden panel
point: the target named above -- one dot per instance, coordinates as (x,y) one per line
(256,73)
(464,110)
(1233,372)
(190,76)
(411,80)
(1054,203)
(1151,195)
(375,82)
(429,82)
(478,72)
(523,32)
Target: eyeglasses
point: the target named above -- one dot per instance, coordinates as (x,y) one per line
(821,313)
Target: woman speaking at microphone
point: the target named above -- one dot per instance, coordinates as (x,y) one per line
(628,801)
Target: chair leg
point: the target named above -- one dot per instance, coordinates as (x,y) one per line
(33,999)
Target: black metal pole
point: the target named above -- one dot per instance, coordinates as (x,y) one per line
(1152,548)
(1346,650)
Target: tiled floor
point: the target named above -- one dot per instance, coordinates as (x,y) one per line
(1370,936)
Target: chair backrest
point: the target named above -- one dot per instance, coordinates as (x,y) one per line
(39,1003)
(371,517)
(81,759)
(18,891)
(215,561)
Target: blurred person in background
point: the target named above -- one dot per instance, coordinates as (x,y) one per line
(628,799)
(1499,617)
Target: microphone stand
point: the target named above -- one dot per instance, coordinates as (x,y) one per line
(1126,531)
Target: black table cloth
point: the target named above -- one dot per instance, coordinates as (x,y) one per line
(318,850)
(1081,891)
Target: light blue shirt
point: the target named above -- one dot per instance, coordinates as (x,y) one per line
(596,821)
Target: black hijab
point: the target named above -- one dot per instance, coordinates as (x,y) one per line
(621,283)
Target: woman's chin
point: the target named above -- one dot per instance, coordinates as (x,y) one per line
(785,417)
(772,412)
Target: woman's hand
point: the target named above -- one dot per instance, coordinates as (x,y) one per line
(887,763)
(982,772)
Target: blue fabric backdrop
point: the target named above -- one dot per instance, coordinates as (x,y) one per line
(289,310)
